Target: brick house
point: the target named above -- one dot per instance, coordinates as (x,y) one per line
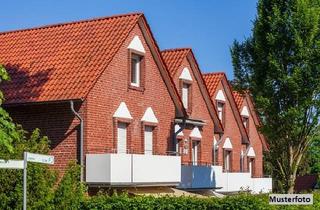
(106,96)
(251,122)
(194,143)
(90,87)
(231,145)
(238,152)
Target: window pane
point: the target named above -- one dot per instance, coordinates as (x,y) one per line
(135,70)
(220,110)
(185,95)
(148,140)
(122,138)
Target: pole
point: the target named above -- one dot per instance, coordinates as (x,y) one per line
(25,181)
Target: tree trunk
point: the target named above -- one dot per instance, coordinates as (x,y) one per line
(291,183)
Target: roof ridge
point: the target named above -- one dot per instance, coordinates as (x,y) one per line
(176,49)
(71,22)
(218,72)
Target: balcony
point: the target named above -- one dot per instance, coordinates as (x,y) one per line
(133,170)
(212,177)
(233,182)
(197,177)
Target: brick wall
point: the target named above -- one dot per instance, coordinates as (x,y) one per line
(56,121)
(231,130)
(199,111)
(256,143)
(59,124)
(112,89)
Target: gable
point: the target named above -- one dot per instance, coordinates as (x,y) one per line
(182,64)
(253,115)
(218,81)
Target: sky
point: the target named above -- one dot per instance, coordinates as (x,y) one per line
(209,27)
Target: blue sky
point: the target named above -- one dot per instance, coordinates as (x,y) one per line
(207,26)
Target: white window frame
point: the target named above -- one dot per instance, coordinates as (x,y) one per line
(185,95)
(195,152)
(227,160)
(136,68)
(220,107)
(123,126)
(148,130)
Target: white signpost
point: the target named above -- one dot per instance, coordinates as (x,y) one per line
(22,164)
(12,164)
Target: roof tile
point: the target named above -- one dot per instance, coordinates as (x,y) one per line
(212,81)
(60,62)
(173,58)
(239,98)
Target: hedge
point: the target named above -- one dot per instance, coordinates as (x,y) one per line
(242,201)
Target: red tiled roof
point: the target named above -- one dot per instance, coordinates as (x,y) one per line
(63,61)
(174,57)
(239,98)
(212,80)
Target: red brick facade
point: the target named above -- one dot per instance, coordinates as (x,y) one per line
(112,89)
(198,110)
(231,131)
(255,140)
(98,103)
(57,121)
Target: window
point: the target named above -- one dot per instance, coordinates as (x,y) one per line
(185,95)
(220,107)
(251,166)
(241,162)
(195,152)
(227,160)
(246,123)
(122,138)
(148,140)
(177,146)
(136,64)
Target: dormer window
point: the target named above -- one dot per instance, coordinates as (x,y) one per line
(136,61)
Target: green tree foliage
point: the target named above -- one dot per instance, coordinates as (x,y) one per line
(315,156)
(42,189)
(40,180)
(312,160)
(70,192)
(8,131)
(279,64)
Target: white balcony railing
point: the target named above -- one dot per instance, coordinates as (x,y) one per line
(133,169)
(233,182)
(213,177)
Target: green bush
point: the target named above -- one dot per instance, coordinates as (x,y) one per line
(70,192)
(243,201)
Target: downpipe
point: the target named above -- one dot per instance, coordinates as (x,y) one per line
(81,138)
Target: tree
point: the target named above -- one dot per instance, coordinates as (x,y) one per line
(279,64)
(8,131)
(312,160)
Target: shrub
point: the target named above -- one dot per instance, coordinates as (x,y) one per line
(243,201)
